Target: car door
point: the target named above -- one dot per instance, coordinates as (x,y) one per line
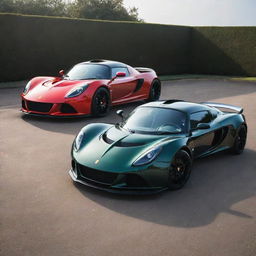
(122,87)
(201,139)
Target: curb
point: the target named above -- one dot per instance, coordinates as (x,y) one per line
(14,84)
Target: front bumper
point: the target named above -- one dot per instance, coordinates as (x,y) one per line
(120,188)
(65,109)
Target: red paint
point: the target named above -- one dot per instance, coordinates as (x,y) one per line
(53,90)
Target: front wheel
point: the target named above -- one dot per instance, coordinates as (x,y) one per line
(155,90)
(100,102)
(240,140)
(179,170)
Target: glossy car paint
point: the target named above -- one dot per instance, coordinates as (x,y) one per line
(53,90)
(97,154)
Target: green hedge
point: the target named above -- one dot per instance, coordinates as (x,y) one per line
(42,45)
(224,51)
(34,45)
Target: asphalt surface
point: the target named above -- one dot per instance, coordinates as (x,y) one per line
(43,213)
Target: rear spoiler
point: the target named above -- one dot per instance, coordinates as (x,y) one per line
(143,70)
(239,110)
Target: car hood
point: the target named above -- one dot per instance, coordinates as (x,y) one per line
(54,90)
(116,149)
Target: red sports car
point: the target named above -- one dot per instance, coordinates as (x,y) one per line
(89,88)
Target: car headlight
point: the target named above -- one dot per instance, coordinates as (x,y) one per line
(27,87)
(148,157)
(78,140)
(76,91)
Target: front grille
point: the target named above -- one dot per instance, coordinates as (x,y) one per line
(39,106)
(96,175)
(134,180)
(67,109)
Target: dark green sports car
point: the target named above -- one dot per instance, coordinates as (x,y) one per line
(154,147)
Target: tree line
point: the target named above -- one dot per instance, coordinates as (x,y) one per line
(88,9)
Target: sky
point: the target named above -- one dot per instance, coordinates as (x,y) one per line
(197,12)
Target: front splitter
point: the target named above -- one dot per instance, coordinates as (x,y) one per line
(117,190)
(53,116)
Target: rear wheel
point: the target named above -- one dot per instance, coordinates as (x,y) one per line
(240,141)
(100,102)
(155,90)
(179,170)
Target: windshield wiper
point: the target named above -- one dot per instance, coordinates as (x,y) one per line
(130,130)
(86,78)
(127,129)
(166,132)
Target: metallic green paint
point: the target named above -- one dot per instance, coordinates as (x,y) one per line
(111,157)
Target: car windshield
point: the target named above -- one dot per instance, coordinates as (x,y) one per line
(154,120)
(88,71)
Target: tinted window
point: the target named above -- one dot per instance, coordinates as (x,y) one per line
(89,71)
(156,121)
(115,70)
(214,113)
(200,117)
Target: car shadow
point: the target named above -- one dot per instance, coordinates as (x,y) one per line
(73,125)
(217,185)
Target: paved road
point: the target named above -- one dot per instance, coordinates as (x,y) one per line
(43,213)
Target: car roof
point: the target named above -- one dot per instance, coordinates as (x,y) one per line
(184,106)
(110,63)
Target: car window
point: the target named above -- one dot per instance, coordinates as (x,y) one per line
(88,71)
(153,120)
(200,117)
(214,113)
(115,70)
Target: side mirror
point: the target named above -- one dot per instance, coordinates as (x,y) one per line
(203,126)
(61,72)
(120,113)
(120,74)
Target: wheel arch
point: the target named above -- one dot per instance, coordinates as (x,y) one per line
(102,86)
(239,127)
(155,79)
(173,147)
(187,149)
(246,126)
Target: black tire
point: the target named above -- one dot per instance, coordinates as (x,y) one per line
(100,102)
(240,140)
(155,91)
(179,170)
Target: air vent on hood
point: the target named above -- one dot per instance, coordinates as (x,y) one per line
(121,143)
(106,139)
